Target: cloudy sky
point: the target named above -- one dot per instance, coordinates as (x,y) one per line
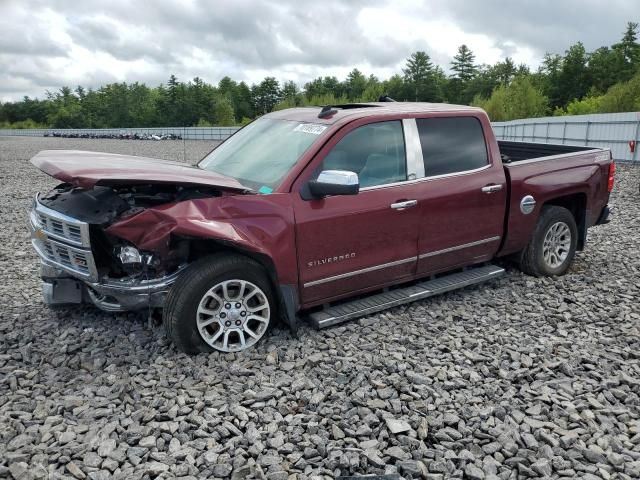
(48,43)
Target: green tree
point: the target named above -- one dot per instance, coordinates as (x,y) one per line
(266,95)
(574,79)
(505,71)
(225,116)
(519,99)
(629,49)
(549,73)
(463,64)
(622,97)
(395,88)
(243,102)
(355,85)
(581,107)
(606,67)
(290,91)
(374,90)
(420,78)
(483,84)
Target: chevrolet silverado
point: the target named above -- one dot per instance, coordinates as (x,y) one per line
(326,213)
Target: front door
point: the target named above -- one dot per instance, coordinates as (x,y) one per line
(349,244)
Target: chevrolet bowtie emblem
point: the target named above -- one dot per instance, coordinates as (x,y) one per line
(39,234)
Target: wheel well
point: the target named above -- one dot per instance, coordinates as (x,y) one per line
(577,204)
(201,247)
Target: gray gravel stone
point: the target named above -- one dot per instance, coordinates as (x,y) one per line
(519,377)
(473,473)
(147,442)
(396,426)
(75,471)
(20,471)
(222,470)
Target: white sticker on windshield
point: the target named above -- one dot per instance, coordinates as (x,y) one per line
(312,128)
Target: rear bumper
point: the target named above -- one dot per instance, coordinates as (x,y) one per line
(605,215)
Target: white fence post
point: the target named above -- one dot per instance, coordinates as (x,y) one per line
(586,135)
(635,139)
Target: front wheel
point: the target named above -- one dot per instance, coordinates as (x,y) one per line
(553,245)
(221,302)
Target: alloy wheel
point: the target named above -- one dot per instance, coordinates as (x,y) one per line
(233,315)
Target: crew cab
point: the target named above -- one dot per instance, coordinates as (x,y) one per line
(324,213)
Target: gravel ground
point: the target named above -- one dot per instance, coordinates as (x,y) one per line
(521,377)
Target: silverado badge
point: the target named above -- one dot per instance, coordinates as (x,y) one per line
(324,261)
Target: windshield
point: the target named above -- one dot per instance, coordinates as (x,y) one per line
(261,154)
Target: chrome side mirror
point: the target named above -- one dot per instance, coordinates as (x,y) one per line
(335,182)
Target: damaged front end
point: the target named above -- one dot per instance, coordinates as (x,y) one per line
(83,261)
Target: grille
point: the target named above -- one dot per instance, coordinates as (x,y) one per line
(63,241)
(73,259)
(62,227)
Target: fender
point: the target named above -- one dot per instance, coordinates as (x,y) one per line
(545,187)
(259,224)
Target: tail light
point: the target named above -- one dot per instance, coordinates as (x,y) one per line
(612,174)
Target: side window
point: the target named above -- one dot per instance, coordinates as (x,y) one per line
(451,145)
(375,152)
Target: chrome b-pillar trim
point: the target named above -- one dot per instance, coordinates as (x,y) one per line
(415,162)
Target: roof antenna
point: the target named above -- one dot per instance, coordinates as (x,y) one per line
(385,98)
(327,111)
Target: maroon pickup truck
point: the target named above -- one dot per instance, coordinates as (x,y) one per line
(326,214)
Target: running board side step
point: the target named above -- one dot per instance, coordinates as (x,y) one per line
(334,315)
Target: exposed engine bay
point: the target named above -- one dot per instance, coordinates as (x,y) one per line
(101,206)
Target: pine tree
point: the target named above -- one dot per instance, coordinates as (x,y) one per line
(629,44)
(266,95)
(505,71)
(355,84)
(463,64)
(573,81)
(629,49)
(419,77)
(289,90)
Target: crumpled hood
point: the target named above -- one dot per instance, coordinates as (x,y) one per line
(87,169)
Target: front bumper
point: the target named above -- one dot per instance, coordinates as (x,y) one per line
(69,273)
(111,295)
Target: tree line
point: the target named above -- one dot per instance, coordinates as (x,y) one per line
(578,82)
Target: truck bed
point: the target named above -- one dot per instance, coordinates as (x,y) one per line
(519,151)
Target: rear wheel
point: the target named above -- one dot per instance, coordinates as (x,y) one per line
(221,302)
(553,244)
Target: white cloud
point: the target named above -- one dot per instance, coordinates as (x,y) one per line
(49,43)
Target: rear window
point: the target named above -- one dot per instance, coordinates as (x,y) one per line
(451,145)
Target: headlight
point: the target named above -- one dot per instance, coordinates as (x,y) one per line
(129,255)
(35,220)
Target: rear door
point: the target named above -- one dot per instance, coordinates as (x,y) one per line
(349,244)
(462,197)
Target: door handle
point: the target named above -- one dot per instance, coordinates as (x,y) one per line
(404,204)
(491,188)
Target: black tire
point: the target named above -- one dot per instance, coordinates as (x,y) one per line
(532,259)
(183,300)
